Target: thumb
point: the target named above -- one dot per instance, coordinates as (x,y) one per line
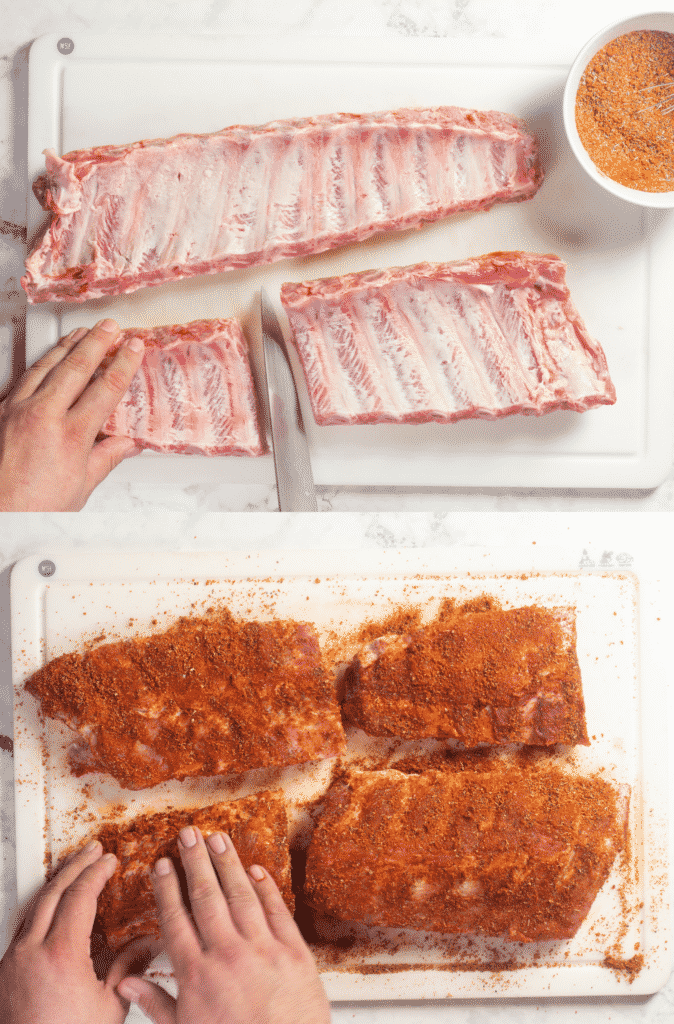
(134,958)
(157,1004)
(105,455)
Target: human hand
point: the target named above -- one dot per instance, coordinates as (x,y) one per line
(49,458)
(243,960)
(47,975)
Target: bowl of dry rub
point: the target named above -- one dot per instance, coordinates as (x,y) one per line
(619,109)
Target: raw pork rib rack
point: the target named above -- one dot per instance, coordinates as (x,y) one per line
(257,825)
(194,392)
(512,853)
(484,338)
(125,217)
(209,696)
(495,676)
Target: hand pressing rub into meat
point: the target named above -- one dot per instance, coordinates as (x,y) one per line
(240,958)
(50,460)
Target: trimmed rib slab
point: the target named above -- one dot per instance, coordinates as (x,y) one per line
(125,217)
(482,338)
(257,825)
(507,852)
(479,675)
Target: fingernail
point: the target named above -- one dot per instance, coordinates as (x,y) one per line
(135,343)
(106,325)
(163,866)
(187,837)
(256,872)
(132,450)
(110,862)
(130,989)
(74,336)
(90,847)
(217,842)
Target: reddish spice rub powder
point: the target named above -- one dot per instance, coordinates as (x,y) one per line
(511,853)
(210,696)
(618,115)
(477,673)
(258,826)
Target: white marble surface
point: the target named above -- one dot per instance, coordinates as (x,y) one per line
(178,520)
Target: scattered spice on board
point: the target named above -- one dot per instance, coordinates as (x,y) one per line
(629,968)
(622,121)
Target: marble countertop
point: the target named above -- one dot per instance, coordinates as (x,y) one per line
(398,517)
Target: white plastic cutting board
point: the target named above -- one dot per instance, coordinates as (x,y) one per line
(622,654)
(117,89)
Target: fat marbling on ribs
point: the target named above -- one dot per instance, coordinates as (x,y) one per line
(513,853)
(476,673)
(211,695)
(193,393)
(125,217)
(257,825)
(439,342)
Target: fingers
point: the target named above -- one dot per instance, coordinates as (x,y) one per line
(279,919)
(103,394)
(35,374)
(105,455)
(65,382)
(74,916)
(41,915)
(155,1003)
(244,907)
(181,942)
(135,958)
(207,902)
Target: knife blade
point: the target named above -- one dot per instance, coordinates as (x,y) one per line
(292,463)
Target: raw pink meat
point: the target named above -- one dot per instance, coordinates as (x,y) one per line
(125,217)
(193,393)
(482,338)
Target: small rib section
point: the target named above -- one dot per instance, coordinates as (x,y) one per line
(194,392)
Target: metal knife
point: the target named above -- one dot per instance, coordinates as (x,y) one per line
(294,480)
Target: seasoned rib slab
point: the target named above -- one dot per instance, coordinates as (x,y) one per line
(124,217)
(194,392)
(520,854)
(258,826)
(210,696)
(487,675)
(484,338)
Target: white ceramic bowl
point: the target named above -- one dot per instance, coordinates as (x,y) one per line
(659,21)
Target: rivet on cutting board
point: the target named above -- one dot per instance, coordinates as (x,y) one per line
(65,45)
(46,568)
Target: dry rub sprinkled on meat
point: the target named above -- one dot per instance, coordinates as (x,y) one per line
(508,853)
(258,826)
(477,674)
(210,696)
